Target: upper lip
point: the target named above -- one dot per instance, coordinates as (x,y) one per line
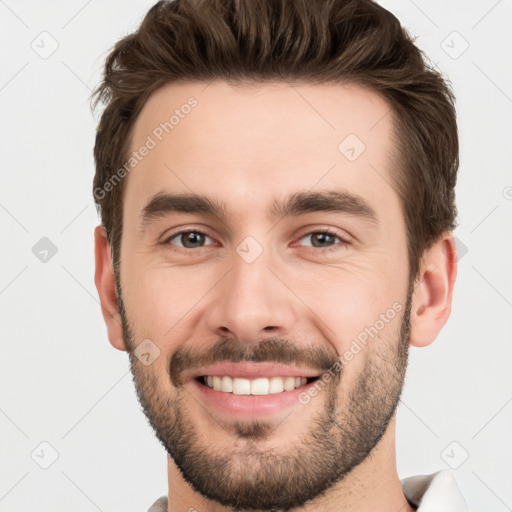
(251,370)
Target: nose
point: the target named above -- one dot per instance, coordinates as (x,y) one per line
(253,302)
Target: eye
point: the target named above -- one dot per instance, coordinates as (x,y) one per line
(192,239)
(324,240)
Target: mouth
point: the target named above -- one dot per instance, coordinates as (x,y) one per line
(248,390)
(260,386)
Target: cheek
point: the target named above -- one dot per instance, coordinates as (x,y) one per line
(161,298)
(358,305)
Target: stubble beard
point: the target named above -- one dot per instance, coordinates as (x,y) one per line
(341,435)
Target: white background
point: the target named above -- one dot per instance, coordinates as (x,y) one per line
(63,383)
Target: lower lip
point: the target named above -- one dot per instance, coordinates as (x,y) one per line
(249,406)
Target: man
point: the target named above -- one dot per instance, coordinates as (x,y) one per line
(276,187)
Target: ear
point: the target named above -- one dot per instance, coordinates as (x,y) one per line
(432,296)
(106,285)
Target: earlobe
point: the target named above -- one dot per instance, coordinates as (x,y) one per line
(106,285)
(432,296)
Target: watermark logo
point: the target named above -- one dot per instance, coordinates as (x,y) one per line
(351,147)
(45,45)
(44,455)
(455,455)
(454,45)
(44,250)
(147,352)
(462,248)
(249,249)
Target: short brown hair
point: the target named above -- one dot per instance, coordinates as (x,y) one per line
(300,41)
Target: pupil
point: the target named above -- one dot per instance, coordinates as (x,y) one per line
(321,236)
(192,238)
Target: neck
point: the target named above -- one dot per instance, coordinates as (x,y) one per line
(373,485)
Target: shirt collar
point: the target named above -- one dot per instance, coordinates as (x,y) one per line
(437,492)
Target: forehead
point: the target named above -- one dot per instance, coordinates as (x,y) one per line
(256,142)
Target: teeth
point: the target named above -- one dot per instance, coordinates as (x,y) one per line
(241,386)
(226,384)
(275,385)
(289,383)
(260,386)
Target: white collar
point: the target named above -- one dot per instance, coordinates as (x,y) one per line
(437,492)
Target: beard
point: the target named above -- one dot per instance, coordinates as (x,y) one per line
(341,434)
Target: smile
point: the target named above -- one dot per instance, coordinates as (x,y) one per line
(259,386)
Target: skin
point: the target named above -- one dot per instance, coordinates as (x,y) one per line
(247,146)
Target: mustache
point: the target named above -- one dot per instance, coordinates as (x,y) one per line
(271,350)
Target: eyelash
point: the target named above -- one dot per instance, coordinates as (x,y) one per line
(343,242)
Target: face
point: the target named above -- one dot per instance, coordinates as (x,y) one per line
(263,250)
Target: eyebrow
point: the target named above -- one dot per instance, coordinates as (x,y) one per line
(164,204)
